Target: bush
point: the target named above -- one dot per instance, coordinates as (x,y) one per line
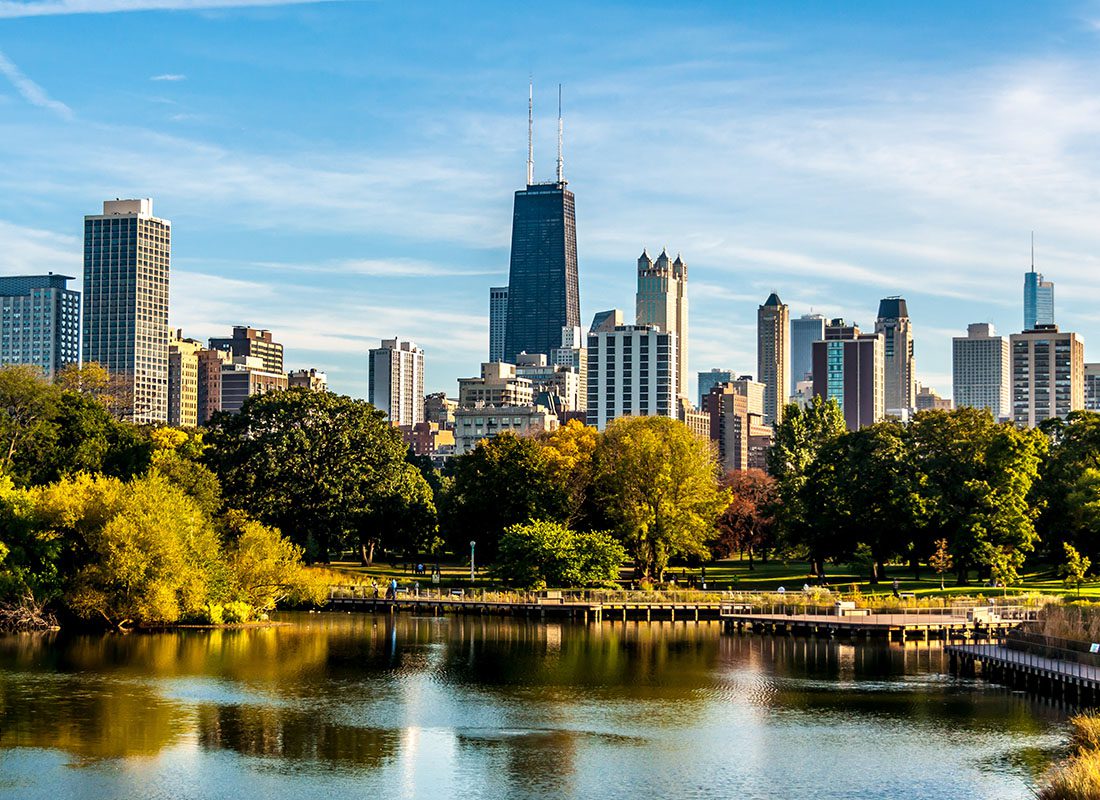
(541,553)
(237,611)
(214,614)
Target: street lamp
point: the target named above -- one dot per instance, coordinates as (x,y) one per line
(472,544)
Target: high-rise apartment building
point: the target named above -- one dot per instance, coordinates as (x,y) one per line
(127,254)
(981,370)
(183,380)
(39,322)
(396,381)
(574,354)
(711,378)
(662,301)
(805,330)
(631,372)
(848,368)
(1092,387)
(498,385)
(1048,374)
(244,377)
(498,321)
(1038,300)
(440,409)
(736,411)
(773,356)
(897,336)
(559,386)
(210,365)
(313,379)
(255,342)
(543,291)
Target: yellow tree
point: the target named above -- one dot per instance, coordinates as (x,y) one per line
(658,485)
(568,452)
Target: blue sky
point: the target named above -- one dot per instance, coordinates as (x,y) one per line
(341,172)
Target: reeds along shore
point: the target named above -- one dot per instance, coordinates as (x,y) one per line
(1078,777)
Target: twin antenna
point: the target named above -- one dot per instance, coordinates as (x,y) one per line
(531,136)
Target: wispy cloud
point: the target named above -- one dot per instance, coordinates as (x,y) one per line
(169,76)
(31,91)
(46,8)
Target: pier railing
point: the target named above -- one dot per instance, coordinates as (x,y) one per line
(1052,647)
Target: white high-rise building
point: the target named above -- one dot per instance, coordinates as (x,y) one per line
(397,381)
(631,372)
(981,370)
(498,321)
(126,264)
(662,301)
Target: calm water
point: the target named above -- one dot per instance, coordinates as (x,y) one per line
(339,705)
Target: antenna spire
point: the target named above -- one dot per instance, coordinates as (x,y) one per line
(561,163)
(1033,251)
(530,132)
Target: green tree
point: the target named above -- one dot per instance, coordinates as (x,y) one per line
(1067,492)
(27,405)
(798,439)
(402,518)
(30,570)
(659,485)
(568,454)
(502,482)
(543,553)
(1075,568)
(316,465)
(940,560)
(976,477)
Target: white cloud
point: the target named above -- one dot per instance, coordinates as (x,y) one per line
(31,91)
(169,76)
(43,8)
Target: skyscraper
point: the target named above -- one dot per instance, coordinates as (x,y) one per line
(256,342)
(662,301)
(848,368)
(498,321)
(981,370)
(736,411)
(711,378)
(1048,375)
(543,292)
(396,378)
(805,330)
(39,322)
(183,380)
(126,266)
(773,356)
(1038,297)
(897,335)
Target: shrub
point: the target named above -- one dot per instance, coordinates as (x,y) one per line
(237,611)
(541,553)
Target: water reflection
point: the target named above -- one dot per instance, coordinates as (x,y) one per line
(473,706)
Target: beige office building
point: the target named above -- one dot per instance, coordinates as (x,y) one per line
(474,424)
(499,385)
(982,370)
(255,342)
(396,381)
(313,379)
(773,356)
(736,412)
(899,382)
(662,301)
(1048,374)
(183,380)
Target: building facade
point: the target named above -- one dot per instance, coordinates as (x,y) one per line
(39,322)
(709,379)
(396,381)
(498,385)
(563,382)
(255,342)
(498,321)
(805,330)
(848,368)
(1038,300)
(244,377)
(896,329)
(736,412)
(543,292)
(631,372)
(440,409)
(981,369)
(183,380)
(474,424)
(574,354)
(927,399)
(662,300)
(1048,375)
(313,379)
(127,255)
(1092,387)
(773,356)
(210,364)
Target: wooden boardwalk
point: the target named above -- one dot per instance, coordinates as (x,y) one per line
(1070,680)
(584,611)
(901,626)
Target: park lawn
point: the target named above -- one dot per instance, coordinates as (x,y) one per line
(734,574)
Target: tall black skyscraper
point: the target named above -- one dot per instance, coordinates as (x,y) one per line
(543,296)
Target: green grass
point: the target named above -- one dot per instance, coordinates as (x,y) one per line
(735,574)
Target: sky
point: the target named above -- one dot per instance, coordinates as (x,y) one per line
(342,172)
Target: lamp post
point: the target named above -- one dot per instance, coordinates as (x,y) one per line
(472,545)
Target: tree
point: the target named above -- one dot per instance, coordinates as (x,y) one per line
(748,521)
(797,441)
(940,560)
(659,485)
(27,405)
(1067,493)
(92,380)
(264,568)
(976,477)
(30,569)
(316,465)
(568,454)
(1076,567)
(543,553)
(502,482)
(403,517)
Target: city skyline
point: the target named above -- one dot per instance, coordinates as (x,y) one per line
(335,241)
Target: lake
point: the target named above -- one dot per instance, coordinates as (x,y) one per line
(354,705)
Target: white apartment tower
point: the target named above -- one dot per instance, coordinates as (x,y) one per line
(662,301)
(631,372)
(396,381)
(981,370)
(126,264)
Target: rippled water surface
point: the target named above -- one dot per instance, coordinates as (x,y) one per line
(338,705)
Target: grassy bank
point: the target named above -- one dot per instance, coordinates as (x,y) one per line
(1077,777)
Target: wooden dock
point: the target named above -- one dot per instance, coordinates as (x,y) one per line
(579,610)
(1019,663)
(901,626)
